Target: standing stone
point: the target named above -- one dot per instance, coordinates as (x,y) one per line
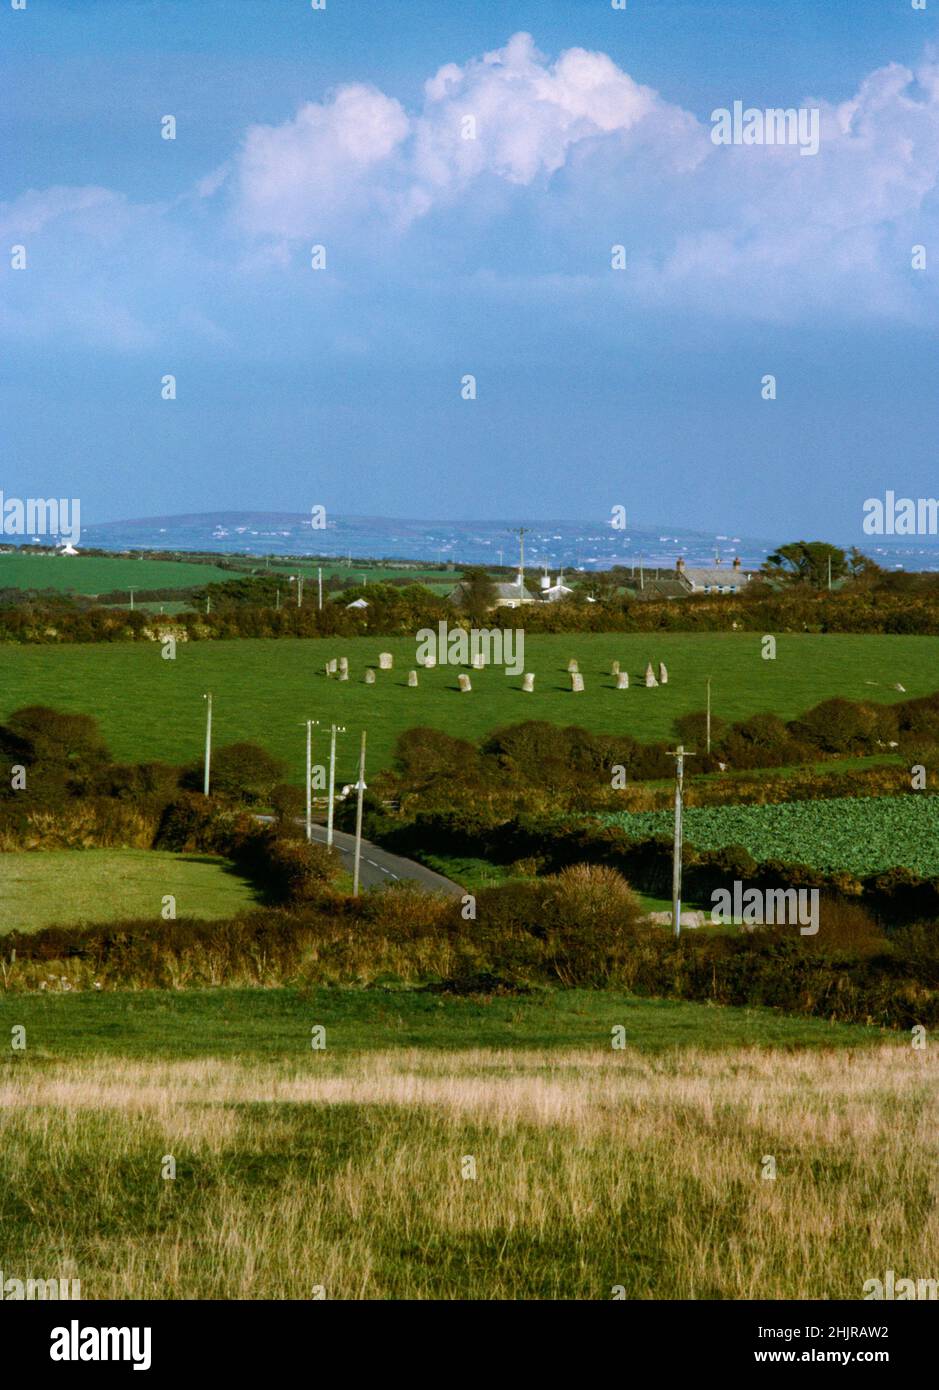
(370,677)
(663,674)
(572,666)
(331,667)
(650,675)
(528,682)
(385,661)
(477,661)
(412,678)
(429,663)
(343,668)
(465,684)
(577,682)
(614,669)
(622,680)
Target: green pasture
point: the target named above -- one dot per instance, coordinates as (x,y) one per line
(151,708)
(67,887)
(275,1023)
(99,574)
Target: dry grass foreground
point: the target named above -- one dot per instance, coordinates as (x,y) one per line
(592,1171)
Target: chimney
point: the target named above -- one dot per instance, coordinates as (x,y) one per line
(737,562)
(680,564)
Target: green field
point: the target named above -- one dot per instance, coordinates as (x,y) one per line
(861,835)
(66,887)
(153,709)
(94,574)
(457,1148)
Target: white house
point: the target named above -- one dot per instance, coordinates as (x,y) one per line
(554,593)
(506,595)
(713,579)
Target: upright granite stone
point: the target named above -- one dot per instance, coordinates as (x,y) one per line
(528,682)
(465,683)
(577,682)
(650,675)
(385,661)
(622,680)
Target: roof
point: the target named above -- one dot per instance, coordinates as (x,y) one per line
(715,577)
(660,588)
(504,593)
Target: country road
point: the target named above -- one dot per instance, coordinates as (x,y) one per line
(378,867)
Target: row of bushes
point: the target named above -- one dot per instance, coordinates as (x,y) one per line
(582,928)
(247,607)
(432,767)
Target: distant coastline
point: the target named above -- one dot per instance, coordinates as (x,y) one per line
(567,545)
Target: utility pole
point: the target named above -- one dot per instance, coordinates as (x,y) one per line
(358,818)
(829,575)
(299,590)
(679,755)
(319,581)
(208,742)
(709,717)
(131,592)
(336,729)
(522,533)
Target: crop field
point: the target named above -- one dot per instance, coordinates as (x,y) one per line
(861,835)
(66,887)
(441,1148)
(150,708)
(94,574)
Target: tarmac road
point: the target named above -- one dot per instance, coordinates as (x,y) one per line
(378,867)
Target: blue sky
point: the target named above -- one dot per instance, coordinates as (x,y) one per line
(447,256)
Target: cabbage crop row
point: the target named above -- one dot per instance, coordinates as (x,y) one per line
(860,835)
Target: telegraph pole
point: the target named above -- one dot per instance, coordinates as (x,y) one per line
(679,755)
(522,533)
(319,581)
(208,741)
(358,818)
(336,729)
(131,592)
(709,717)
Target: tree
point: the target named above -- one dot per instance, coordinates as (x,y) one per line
(477,593)
(242,771)
(806,562)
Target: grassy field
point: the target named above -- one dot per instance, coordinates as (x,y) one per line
(458,1149)
(66,887)
(151,708)
(94,574)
